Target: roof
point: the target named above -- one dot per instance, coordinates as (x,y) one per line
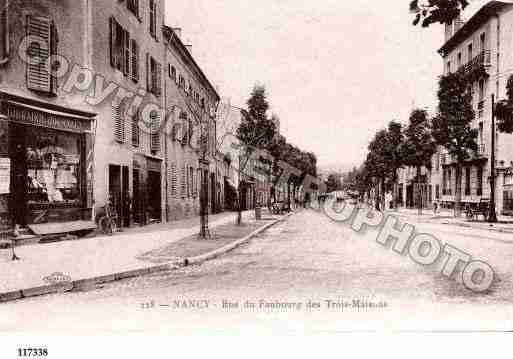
(174,39)
(485,13)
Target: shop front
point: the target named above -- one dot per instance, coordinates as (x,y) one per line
(45,163)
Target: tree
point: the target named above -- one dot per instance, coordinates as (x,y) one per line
(376,164)
(436,11)
(255,131)
(452,125)
(334,183)
(393,153)
(418,146)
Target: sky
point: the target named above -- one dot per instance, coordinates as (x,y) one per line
(335,71)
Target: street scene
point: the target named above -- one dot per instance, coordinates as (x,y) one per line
(283,167)
(290,264)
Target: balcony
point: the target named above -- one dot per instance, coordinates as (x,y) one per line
(478,66)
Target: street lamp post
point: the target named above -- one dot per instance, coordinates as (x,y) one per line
(492,218)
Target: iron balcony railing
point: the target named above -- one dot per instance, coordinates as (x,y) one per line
(484,58)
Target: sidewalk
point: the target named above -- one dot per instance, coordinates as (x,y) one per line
(504,225)
(86,262)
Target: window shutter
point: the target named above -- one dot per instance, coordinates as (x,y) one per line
(135,61)
(112,31)
(174,180)
(4,31)
(135,130)
(119,123)
(158,77)
(182,182)
(148,73)
(155,131)
(126,53)
(38,71)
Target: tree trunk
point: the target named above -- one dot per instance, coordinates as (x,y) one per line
(377,195)
(419,192)
(457,199)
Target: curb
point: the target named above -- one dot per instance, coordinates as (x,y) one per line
(85,283)
(229,247)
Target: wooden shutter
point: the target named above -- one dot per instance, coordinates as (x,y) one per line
(155,131)
(152,17)
(38,71)
(135,61)
(119,123)
(89,165)
(126,53)
(174,180)
(112,32)
(182,182)
(135,130)
(148,72)
(158,78)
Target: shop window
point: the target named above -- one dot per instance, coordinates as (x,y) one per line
(53,163)
(4,31)
(40,73)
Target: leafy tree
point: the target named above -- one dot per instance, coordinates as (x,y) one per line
(334,182)
(418,146)
(255,131)
(436,11)
(452,125)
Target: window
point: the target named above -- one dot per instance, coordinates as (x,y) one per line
(459,59)
(479,181)
(481,90)
(40,76)
(437,191)
(469,53)
(119,123)
(448,67)
(467,181)
(153,75)
(173,73)
(155,131)
(135,61)
(53,167)
(203,103)
(136,135)
(183,183)
(4,31)
(133,6)
(153,18)
(482,40)
(120,47)
(191,182)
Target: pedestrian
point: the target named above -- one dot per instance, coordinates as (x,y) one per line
(435,207)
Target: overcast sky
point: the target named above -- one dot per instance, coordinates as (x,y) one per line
(335,71)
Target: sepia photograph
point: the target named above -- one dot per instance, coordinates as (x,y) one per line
(273,167)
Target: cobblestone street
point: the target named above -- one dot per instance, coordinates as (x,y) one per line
(308,258)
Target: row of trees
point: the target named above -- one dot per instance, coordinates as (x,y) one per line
(257,132)
(414,145)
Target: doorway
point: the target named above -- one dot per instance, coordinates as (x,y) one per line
(19,188)
(119,193)
(154,196)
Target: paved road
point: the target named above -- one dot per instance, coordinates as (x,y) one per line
(309,258)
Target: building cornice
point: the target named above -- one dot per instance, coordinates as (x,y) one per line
(484,14)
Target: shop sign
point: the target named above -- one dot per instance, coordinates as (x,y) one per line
(49,120)
(5,174)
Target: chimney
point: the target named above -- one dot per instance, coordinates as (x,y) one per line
(178,32)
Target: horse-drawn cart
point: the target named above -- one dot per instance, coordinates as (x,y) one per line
(473,210)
